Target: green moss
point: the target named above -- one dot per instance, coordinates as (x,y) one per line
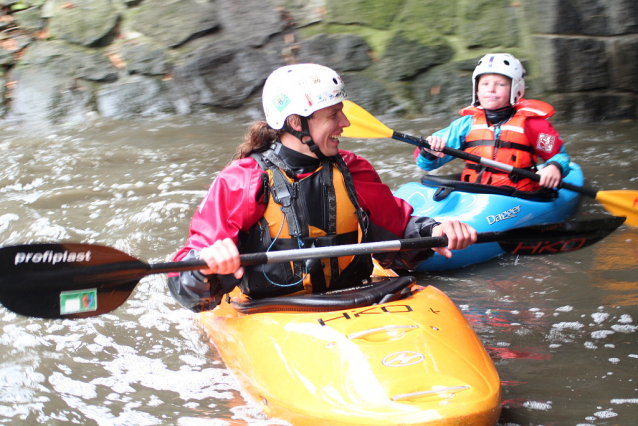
(377,14)
(423,20)
(19,6)
(377,39)
(489,23)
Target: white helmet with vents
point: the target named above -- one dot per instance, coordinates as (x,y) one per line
(504,64)
(300,89)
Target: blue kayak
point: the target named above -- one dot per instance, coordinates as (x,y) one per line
(486,208)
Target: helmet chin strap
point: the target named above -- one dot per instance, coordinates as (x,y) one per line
(305,132)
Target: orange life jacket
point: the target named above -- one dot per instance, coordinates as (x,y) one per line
(512,147)
(284,224)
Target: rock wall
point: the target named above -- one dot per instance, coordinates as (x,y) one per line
(64,61)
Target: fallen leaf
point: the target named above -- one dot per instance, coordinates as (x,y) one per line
(116,60)
(41,35)
(9,45)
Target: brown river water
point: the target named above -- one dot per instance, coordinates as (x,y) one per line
(562,329)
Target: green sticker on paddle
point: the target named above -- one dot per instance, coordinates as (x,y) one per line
(78,301)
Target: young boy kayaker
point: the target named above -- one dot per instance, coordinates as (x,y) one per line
(502,126)
(290,186)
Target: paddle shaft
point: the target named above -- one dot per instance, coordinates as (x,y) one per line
(421,142)
(322,252)
(535,234)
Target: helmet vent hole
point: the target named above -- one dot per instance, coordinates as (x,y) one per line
(334,80)
(506,62)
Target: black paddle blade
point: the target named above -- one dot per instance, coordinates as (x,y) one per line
(558,237)
(66,280)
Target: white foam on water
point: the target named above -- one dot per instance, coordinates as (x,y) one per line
(599,317)
(624,401)
(67,386)
(607,414)
(6,219)
(601,334)
(574,325)
(538,405)
(625,319)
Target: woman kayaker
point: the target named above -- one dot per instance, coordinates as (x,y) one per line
(502,126)
(289,186)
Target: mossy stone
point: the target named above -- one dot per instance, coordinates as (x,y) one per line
(376,14)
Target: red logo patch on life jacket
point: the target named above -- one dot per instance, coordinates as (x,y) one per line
(545,142)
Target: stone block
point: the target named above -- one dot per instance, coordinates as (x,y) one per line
(489,24)
(222,74)
(30,19)
(42,98)
(303,13)
(252,24)
(369,94)
(174,22)
(570,64)
(144,58)
(341,52)
(442,91)
(404,59)
(377,14)
(135,97)
(68,60)
(623,62)
(90,23)
(588,107)
(424,19)
(583,17)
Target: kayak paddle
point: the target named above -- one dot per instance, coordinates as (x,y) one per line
(365,126)
(72,280)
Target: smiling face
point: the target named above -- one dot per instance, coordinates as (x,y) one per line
(493,91)
(326,125)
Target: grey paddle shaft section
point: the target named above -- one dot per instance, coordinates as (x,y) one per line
(293,255)
(344,250)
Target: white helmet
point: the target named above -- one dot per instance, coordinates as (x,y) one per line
(504,64)
(300,89)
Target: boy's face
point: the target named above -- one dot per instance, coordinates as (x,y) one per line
(493,91)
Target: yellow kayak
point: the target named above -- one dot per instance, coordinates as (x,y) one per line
(413,360)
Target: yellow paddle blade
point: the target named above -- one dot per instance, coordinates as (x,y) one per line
(363,124)
(620,203)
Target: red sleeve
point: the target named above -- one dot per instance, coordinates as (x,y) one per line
(229,207)
(375,197)
(543,137)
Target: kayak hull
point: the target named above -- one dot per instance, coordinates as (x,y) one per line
(487,213)
(414,361)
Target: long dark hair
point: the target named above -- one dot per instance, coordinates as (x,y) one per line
(260,136)
(257,139)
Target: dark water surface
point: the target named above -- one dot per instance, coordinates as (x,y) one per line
(562,329)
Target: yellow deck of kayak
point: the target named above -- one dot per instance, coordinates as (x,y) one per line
(414,361)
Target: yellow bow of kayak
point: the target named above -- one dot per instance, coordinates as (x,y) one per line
(414,361)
